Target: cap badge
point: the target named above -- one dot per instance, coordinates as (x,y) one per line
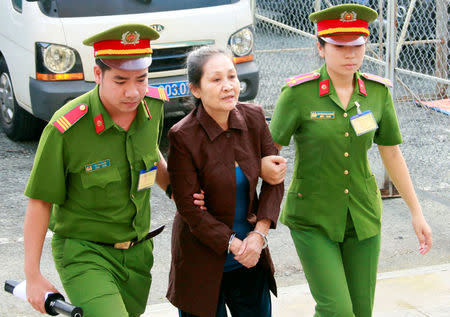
(130,38)
(348,16)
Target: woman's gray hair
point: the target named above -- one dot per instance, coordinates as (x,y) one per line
(195,61)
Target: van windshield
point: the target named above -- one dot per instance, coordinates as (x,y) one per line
(87,8)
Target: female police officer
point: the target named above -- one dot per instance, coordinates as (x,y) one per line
(333,206)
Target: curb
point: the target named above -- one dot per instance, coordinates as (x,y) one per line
(422,291)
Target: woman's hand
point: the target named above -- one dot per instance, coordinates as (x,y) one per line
(250,250)
(398,171)
(423,232)
(235,246)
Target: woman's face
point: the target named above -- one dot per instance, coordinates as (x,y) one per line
(219,85)
(342,60)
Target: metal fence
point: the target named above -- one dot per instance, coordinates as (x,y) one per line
(408,44)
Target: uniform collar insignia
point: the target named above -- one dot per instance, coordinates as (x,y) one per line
(99,124)
(147,111)
(324,87)
(362,87)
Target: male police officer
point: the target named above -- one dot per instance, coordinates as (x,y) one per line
(95,165)
(96,162)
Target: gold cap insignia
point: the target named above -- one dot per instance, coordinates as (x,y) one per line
(130,38)
(348,16)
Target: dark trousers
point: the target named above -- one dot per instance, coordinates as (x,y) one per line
(245,292)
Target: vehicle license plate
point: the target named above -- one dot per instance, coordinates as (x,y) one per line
(175,89)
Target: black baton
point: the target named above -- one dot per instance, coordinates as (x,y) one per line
(54,303)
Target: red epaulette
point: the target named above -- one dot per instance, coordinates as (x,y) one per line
(293,81)
(70,118)
(378,79)
(157,92)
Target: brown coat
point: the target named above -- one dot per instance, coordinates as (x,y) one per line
(202,155)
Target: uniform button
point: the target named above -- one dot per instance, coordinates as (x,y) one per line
(228,134)
(299,195)
(345,114)
(131,166)
(346,172)
(346,191)
(346,134)
(346,154)
(132,196)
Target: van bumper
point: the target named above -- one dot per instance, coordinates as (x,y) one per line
(47,97)
(248,73)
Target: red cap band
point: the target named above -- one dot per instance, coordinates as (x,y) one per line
(116,47)
(337,26)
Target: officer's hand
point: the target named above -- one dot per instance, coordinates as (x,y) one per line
(423,232)
(36,289)
(199,200)
(250,250)
(273,169)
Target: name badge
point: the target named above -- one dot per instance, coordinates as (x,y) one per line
(96,166)
(322,114)
(363,122)
(146,178)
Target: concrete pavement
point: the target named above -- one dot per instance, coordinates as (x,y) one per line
(423,291)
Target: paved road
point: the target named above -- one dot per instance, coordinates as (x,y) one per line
(399,246)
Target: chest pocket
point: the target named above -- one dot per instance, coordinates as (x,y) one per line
(145,162)
(101,177)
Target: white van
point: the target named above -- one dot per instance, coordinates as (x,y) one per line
(43,63)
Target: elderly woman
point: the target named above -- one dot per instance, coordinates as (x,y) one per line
(220,256)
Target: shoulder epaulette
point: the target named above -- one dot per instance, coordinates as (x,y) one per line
(66,121)
(293,81)
(378,79)
(157,92)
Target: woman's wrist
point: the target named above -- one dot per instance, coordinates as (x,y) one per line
(262,235)
(418,215)
(263,226)
(230,242)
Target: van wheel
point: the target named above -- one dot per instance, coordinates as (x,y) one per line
(17,123)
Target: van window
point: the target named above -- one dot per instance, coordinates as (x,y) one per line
(17,4)
(86,8)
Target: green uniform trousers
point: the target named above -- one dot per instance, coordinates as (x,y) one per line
(341,275)
(102,280)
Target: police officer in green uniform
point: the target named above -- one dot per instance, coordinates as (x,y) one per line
(96,163)
(333,206)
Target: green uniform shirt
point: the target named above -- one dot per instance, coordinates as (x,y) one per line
(92,202)
(331,169)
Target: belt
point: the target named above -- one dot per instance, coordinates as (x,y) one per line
(128,244)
